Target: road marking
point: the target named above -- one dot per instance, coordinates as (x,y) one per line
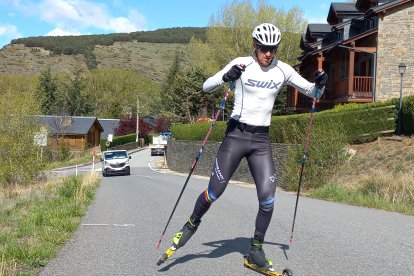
(149,165)
(106,224)
(124,225)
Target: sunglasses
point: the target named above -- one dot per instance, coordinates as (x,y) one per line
(265,49)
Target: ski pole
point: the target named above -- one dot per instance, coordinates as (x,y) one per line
(200,152)
(304,157)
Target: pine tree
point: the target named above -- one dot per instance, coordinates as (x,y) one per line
(47,92)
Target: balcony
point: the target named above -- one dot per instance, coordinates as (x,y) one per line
(363,87)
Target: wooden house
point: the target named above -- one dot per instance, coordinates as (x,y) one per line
(78,133)
(360,47)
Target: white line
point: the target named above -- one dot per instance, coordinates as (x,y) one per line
(149,165)
(147,176)
(124,225)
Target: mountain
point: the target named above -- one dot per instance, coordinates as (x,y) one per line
(149,53)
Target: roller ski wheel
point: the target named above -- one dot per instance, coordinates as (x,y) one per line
(166,255)
(263,271)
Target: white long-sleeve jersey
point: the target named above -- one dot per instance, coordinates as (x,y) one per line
(257,88)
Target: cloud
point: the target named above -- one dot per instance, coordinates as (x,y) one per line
(9,31)
(75,17)
(61,32)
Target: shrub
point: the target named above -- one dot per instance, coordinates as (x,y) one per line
(408,115)
(325,153)
(121,140)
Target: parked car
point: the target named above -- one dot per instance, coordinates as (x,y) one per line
(115,162)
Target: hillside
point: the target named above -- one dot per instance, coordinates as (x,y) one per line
(146,53)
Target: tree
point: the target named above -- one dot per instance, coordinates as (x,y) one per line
(186,98)
(46,92)
(76,102)
(19,155)
(113,93)
(229,34)
(162,124)
(128,125)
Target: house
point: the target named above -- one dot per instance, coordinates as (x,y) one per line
(360,47)
(78,133)
(109,126)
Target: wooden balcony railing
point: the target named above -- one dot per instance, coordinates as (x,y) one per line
(363,86)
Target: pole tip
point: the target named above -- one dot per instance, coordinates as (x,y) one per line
(157,245)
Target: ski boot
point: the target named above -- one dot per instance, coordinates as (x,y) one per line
(180,239)
(256,258)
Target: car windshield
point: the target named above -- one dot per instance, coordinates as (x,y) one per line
(116,155)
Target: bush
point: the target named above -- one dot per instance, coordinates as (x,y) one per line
(121,140)
(359,122)
(324,154)
(408,115)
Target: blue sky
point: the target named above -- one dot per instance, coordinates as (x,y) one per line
(25,18)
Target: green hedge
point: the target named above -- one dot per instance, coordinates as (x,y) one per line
(408,115)
(331,131)
(119,140)
(360,123)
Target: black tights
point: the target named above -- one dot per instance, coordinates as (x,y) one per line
(257,150)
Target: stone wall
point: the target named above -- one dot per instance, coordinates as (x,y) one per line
(395,45)
(181,154)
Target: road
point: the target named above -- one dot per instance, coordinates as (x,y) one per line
(120,230)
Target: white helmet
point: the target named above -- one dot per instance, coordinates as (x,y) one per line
(266,34)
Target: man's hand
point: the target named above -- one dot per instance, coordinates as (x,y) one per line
(321,79)
(234,73)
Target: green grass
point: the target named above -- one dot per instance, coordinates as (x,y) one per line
(337,193)
(380,175)
(71,162)
(34,228)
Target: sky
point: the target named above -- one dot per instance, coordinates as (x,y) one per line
(26,18)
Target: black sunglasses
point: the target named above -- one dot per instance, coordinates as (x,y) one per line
(265,49)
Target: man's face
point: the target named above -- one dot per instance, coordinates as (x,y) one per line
(265,54)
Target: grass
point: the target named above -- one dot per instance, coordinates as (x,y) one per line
(71,162)
(380,175)
(35,221)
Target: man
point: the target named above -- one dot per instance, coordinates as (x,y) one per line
(258,79)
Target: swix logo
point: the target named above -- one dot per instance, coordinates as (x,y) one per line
(263,84)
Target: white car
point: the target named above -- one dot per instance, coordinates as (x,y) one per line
(115,162)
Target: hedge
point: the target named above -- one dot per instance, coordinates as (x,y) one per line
(408,115)
(360,123)
(118,140)
(332,130)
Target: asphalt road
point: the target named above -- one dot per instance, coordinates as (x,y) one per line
(120,230)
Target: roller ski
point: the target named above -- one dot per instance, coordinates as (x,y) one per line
(257,261)
(179,240)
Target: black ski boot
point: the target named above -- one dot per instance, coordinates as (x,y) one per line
(257,256)
(180,239)
(182,236)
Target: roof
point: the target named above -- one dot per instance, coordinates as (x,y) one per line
(364,5)
(319,28)
(68,125)
(109,126)
(338,11)
(386,6)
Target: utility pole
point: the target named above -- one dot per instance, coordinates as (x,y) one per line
(137,139)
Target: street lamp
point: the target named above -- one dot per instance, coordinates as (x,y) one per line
(401,70)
